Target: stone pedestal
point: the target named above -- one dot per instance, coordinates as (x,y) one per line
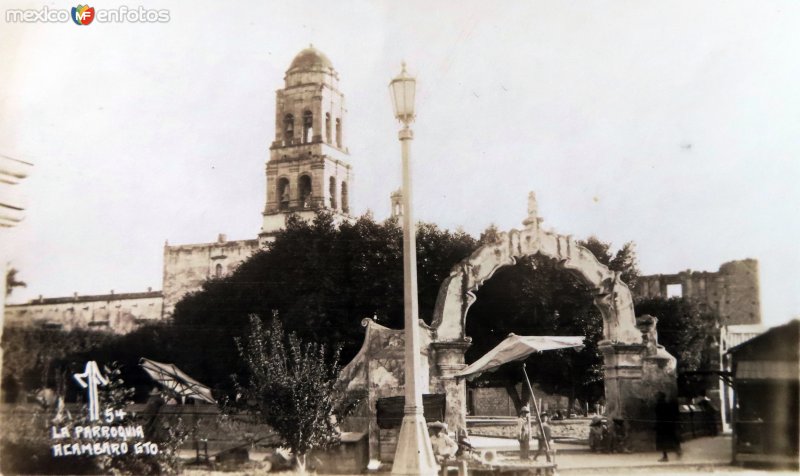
(449,358)
(633,375)
(410,460)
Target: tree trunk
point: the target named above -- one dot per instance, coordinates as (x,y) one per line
(571,401)
(511,390)
(301,464)
(526,396)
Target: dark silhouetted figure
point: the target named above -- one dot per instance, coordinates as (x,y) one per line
(667,426)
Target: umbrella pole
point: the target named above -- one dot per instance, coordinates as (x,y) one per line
(538,414)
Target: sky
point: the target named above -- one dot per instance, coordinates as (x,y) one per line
(675,125)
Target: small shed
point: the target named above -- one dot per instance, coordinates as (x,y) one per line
(766,377)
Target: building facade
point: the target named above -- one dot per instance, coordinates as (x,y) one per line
(118,313)
(187,267)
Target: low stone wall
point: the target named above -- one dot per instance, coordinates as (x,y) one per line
(495,401)
(573,428)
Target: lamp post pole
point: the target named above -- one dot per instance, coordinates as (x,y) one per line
(414,455)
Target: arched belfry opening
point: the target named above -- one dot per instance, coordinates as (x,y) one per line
(332,191)
(288,129)
(283,193)
(635,368)
(345,198)
(305,191)
(328,127)
(308,127)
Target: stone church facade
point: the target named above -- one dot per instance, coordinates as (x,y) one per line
(308,170)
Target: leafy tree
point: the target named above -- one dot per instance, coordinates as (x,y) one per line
(291,387)
(12,281)
(322,280)
(686,329)
(34,357)
(437,252)
(490,235)
(624,260)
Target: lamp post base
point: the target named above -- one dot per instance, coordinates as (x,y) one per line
(414,455)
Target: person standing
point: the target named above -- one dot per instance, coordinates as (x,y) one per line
(544,439)
(667,415)
(524,433)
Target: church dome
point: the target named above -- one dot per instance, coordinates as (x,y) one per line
(310,59)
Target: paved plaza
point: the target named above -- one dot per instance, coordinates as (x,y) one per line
(708,455)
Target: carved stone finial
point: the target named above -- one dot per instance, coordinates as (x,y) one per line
(533,211)
(533,207)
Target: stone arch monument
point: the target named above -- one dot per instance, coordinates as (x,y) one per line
(636,368)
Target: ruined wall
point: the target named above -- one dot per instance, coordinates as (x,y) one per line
(733,291)
(186,267)
(118,313)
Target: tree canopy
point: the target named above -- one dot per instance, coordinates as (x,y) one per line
(686,329)
(321,280)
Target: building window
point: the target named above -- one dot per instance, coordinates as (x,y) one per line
(218,270)
(288,129)
(333,192)
(283,194)
(345,204)
(674,290)
(339,133)
(328,127)
(308,126)
(304,187)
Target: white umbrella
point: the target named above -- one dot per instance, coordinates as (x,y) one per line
(176,380)
(515,348)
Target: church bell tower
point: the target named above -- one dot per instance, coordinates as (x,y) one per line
(307,169)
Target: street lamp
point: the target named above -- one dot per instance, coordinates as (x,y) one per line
(414,455)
